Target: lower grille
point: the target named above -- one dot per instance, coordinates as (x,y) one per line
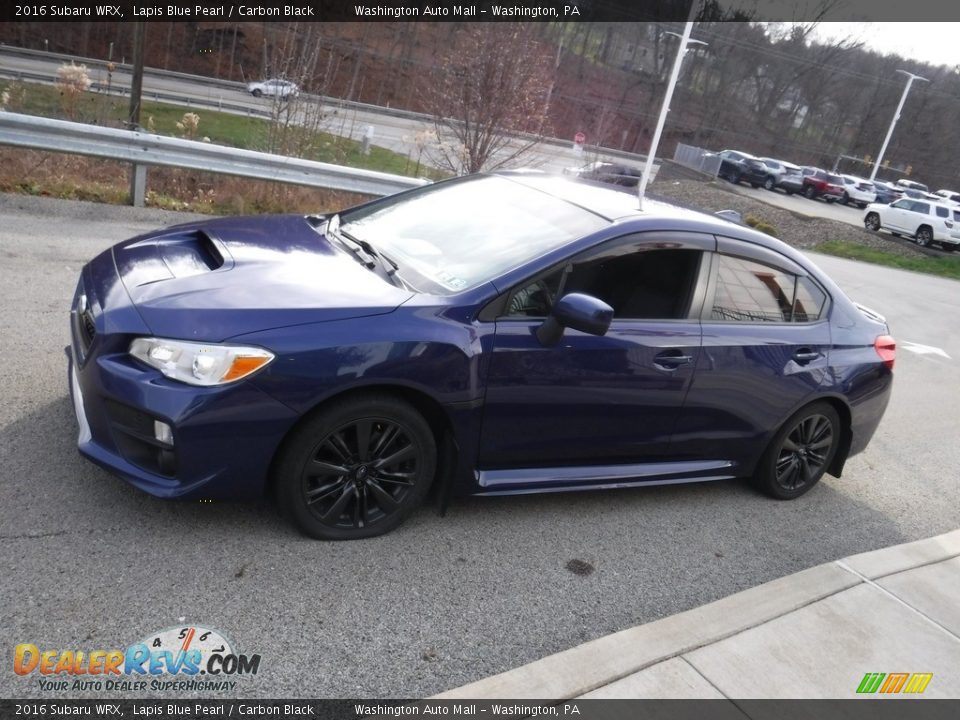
(133,433)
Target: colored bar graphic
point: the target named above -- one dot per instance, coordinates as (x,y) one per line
(918,682)
(870,682)
(893,683)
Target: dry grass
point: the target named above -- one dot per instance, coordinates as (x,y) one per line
(82,178)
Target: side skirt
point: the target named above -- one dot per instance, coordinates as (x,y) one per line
(569,479)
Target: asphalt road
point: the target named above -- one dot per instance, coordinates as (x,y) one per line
(90,563)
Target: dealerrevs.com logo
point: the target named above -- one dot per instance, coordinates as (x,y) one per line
(190,658)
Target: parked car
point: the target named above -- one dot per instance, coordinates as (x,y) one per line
(912,185)
(737,166)
(822,184)
(951,195)
(792,180)
(779,170)
(923,220)
(887,193)
(274,87)
(495,334)
(608,172)
(857,190)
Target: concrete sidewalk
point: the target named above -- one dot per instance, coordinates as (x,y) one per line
(814,634)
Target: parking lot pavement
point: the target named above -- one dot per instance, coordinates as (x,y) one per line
(815,634)
(90,563)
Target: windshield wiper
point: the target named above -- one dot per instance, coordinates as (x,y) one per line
(371,251)
(369,254)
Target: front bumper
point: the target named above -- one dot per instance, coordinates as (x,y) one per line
(224,438)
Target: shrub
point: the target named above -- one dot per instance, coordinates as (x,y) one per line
(761,225)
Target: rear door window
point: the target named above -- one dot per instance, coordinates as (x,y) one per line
(751,291)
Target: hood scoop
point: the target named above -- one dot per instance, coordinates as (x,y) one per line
(165,257)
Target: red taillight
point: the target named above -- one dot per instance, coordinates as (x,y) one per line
(886,348)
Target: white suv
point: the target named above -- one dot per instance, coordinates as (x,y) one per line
(858,191)
(923,220)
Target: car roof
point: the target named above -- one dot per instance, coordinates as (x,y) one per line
(610,202)
(620,204)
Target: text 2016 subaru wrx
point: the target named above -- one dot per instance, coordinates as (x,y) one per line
(495,334)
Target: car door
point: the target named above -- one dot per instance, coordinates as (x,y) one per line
(896,216)
(766,346)
(596,401)
(919,214)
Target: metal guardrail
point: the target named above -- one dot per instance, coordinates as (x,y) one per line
(143,149)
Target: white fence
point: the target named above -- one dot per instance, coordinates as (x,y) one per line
(697,159)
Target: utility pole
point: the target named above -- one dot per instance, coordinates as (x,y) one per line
(138,173)
(665,108)
(136,84)
(893,123)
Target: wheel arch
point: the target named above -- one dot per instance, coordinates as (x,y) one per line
(839,404)
(429,407)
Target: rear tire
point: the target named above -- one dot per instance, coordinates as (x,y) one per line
(257,93)
(924,236)
(809,192)
(800,452)
(846,198)
(769,183)
(357,468)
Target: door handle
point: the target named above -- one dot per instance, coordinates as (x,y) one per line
(671,360)
(805,355)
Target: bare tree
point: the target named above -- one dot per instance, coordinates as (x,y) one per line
(489,97)
(295,120)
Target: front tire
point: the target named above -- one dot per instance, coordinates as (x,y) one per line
(769,183)
(800,452)
(810,192)
(846,198)
(357,468)
(257,93)
(872,222)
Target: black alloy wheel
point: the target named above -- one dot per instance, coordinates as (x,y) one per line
(924,236)
(872,222)
(800,453)
(357,469)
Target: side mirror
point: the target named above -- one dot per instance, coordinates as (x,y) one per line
(578,311)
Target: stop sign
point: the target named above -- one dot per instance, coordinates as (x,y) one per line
(579,138)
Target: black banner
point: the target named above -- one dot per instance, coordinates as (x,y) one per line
(214,11)
(212,709)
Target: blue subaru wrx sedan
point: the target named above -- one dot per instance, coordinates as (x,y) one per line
(489,335)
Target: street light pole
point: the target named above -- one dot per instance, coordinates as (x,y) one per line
(665,108)
(893,123)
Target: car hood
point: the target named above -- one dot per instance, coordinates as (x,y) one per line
(216,279)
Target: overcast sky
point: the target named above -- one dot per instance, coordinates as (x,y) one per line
(937,43)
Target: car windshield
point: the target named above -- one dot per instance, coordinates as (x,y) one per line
(457,235)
